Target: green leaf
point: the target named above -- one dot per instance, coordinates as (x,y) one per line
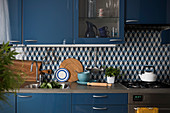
(9,80)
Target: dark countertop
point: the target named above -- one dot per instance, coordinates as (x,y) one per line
(76,88)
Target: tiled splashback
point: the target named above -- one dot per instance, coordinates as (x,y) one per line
(142,47)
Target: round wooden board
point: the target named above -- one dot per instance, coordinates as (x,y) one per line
(72,65)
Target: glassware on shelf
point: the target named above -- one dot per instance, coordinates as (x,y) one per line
(109,8)
(115,32)
(100,12)
(91,8)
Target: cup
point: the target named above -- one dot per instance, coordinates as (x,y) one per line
(103,31)
(100,12)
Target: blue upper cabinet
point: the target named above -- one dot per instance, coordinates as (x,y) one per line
(47,21)
(15,20)
(147,11)
(98,21)
(43,103)
(165,36)
(10,106)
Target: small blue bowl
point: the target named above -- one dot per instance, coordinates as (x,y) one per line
(84,76)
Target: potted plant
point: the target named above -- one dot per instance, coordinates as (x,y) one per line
(111,73)
(10,80)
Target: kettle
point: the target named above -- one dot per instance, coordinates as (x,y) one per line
(90,32)
(148,76)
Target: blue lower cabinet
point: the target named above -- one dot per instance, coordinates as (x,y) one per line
(10,106)
(43,103)
(99,103)
(99,98)
(99,109)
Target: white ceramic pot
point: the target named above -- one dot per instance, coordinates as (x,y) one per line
(110,80)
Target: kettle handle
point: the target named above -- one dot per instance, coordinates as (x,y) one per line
(149,68)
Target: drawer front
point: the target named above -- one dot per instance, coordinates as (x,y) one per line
(99,98)
(99,109)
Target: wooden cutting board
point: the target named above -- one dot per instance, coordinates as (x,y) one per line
(72,65)
(25,66)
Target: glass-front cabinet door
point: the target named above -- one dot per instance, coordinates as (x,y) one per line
(99,21)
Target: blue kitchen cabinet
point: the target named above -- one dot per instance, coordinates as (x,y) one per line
(47,21)
(100,13)
(147,12)
(99,103)
(100,109)
(10,106)
(15,20)
(165,36)
(43,103)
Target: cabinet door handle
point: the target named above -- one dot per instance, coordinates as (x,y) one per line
(14,41)
(96,108)
(21,96)
(112,40)
(30,40)
(97,96)
(127,21)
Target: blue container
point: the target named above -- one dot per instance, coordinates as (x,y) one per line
(84,76)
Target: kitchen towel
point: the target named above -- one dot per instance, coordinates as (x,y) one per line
(147,110)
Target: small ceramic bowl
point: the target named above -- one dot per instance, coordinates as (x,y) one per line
(84,76)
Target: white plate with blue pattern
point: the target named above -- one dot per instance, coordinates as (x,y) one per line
(62,75)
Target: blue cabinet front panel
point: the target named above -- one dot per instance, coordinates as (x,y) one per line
(78,40)
(165,36)
(47,21)
(43,103)
(15,20)
(147,11)
(101,98)
(10,106)
(102,109)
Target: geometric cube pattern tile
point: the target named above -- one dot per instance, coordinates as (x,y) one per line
(142,48)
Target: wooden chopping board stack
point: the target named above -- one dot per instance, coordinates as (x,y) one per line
(25,66)
(72,65)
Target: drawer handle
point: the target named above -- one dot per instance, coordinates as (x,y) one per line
(131,21)
(112,40)
(95,108)
(13,41)
(30,40)
(24,96)
(102,96)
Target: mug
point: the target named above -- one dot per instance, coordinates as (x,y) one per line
(103,31)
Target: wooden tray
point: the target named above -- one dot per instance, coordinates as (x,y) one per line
(25,66)
(72,65)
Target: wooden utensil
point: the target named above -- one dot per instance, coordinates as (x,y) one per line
(72,65)
(98,84)
(25,67)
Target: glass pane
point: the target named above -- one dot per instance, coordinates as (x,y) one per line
(98,18)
